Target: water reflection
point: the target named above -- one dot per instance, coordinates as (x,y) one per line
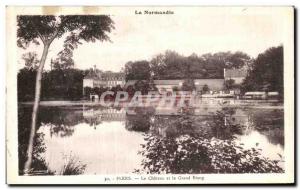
(105,150)
(107,140)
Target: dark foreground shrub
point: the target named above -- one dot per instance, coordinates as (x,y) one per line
(189,154)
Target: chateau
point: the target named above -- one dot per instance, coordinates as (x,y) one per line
(96,78)
(99,79)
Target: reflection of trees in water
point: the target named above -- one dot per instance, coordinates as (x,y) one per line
(172,126)
(60,130)
(220,125)
(61,122)
(69,116)
(139,119)
(275,136)
(223,124)
(189,144)
(93,121)
(265,119)
(268,123)
(38,163)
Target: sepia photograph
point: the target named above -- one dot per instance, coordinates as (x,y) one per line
(150,95)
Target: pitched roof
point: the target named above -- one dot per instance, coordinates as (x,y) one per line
(91,75)
(105,75)
(112,76)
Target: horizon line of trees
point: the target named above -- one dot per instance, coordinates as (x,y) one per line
(64,82)
(172,65)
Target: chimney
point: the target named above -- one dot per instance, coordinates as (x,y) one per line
(94,67)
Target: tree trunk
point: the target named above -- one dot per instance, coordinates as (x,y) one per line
(28,162)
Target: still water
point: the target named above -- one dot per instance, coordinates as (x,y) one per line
(107,140)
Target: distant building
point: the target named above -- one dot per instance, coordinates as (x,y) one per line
(169,85)
(96,78)
(238,75)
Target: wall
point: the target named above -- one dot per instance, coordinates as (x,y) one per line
(213,84)
(88,83)
(165,87)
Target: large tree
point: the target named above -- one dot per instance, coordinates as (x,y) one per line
(266,72)
(74,29)
(171,65)
(138,70)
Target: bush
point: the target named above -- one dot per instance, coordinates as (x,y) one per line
(73,166)
(198,147)
(189,154)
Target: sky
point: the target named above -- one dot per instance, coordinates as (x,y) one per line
(188,30)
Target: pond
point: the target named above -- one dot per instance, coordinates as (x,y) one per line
(113,140)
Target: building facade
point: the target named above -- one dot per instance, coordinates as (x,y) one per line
(96,78)
(170,85)
(103,79)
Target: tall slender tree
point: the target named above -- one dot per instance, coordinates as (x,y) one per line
(74,29)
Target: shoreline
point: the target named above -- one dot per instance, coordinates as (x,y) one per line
(213,102)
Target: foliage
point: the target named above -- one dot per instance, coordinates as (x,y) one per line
(266,73)
(46,28)
(61,123)
(72,166)
(227,59)
(31,60)
(198,147)
(56,84)
(139,120)
(229,84)
(172,65)
(79,27)
(61,63)
(188,85)
(138,70)
(169,65)
(223,125)
(175,88)
(205,88)
(60,130)
(188,154)
(38,163)
(26,84)
(142,86)
(130,90)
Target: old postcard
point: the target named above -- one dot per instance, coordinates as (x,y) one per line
(150,95)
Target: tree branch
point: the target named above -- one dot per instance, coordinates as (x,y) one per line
(38,33)
(58,29)
(42,38)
